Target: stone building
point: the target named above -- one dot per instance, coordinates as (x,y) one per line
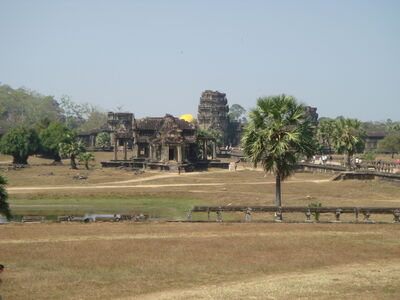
(311,115)
(157,143)
(89,137)
(373,138)
(165,139)
(213,113)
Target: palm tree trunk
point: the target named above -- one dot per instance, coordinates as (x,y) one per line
(278,200)
(348,166)
(73,163)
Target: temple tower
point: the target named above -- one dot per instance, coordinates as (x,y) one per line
(213,113)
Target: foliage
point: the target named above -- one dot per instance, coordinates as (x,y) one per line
(51,137)
(387,125)
(276,135)
(370,155)
(74,114)
(71,150)
(348,137)
(4,207)
(325,133)
(316,215)
(96,118)
(20,142)
(85,158)
(213,133)
(237,113)
(103,140)
(391,144)
(22,107)
(394,127)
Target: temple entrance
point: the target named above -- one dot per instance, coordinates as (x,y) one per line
(171,155)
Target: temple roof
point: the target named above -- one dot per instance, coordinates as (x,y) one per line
(158,122)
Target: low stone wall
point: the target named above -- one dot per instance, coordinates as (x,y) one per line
(279,212)
(344,175)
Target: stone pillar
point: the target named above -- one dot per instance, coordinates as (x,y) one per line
(135,150)
(205,149)
(179,148)
(125,150)
(164,153)
(150,152)
(115,148)
(214,150)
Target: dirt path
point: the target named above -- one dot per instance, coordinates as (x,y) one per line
(12,190)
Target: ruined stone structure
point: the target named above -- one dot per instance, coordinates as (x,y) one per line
(163,143)
(121,126)
(166,139)
(311,115)
(213,113)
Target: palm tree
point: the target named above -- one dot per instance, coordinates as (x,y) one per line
(348,138)
(325,133)
(85,158)
(4,207)
(276,136)
(72,150)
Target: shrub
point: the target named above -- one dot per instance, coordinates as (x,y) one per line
(315,214)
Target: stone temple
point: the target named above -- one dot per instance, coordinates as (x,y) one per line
(213,115)
(175,144)
(164,143)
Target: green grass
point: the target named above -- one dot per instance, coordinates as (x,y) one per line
(158,207)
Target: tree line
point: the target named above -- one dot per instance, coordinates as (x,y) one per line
(278,135)
(50,139)
(23,107)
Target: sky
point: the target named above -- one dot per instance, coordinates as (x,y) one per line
(156,57)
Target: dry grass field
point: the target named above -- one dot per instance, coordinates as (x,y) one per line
(160,260)
(200,261)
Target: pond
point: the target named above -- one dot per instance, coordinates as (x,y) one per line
(93,217)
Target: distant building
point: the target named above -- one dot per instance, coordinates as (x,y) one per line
(163,143)
(373,138)
(213,113)
(311,115)
(89,137)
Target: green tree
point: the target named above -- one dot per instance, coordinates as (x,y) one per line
(22,107)
(20,142)
(72,150)
(51,138)
(325,132)
(276,135)
(237,113)
(348,138)
(96,119)
(74,114)
(103,140)
(86,158)
(390,143)
(4,207)
(215,134)
(394,127)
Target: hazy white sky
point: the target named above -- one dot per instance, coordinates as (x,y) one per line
(156,57)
